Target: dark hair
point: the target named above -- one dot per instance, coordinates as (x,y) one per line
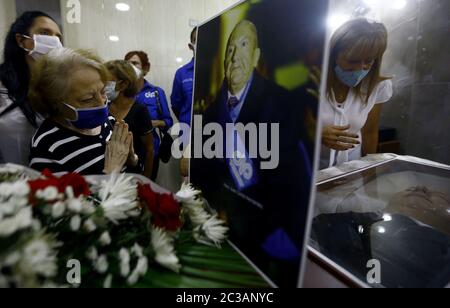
(14,71)
(194,32)
(142,55)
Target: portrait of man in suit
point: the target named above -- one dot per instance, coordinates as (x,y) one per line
(262,206)
(251,74)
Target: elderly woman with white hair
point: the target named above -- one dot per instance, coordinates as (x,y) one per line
(68,87)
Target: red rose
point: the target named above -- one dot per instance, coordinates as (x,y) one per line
(168,213)
(41,184)
(146,194)
(76,181)
(164,208)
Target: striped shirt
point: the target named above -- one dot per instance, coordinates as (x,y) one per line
(62,150)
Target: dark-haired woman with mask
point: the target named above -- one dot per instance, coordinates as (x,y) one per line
(355,92)
(68,88)
(154,99)
(121,91)
(32,35)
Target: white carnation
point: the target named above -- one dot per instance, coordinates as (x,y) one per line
(137,250)
(101,265)
(87,207)
(196,212)
(21,188)
(92,254)
(9,207)
(38,257)
(140,270)
(23,219)
(20,201)
(48,194)
(6,190)
(69,193)
(74,205)
(118,197)
(89,226)
(124,257)
(11,169)
(36,225)
(133,278)
(187,193)
(3,282)
(75,223)
(212,232)
(12,259)
(58,210)
(108,282)
(142,266)
(105,239)
(164,249)
(18,189)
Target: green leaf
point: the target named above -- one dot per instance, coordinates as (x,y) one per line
(236,279)
(205,267)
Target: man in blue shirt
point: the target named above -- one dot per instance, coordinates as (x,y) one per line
(183,87)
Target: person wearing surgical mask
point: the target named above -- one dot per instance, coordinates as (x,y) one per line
(31,36)
(356,92)
(155,100)
(77,135)
(121,90)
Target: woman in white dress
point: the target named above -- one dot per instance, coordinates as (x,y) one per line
(355,92)
(32,35)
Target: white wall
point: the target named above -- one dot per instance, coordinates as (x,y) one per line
(7,17)
(159,27)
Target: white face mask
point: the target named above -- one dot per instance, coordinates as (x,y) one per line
(110,91)
(43,44)
(137,71)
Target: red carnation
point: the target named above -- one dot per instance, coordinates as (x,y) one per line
(164,208)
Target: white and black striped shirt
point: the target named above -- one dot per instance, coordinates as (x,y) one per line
(62,150)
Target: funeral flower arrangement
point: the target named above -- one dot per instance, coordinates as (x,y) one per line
(114,229)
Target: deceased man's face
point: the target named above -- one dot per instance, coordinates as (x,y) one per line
(242,56)
(425,205)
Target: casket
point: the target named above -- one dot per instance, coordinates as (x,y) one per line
(384,222)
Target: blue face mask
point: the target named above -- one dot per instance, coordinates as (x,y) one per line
(90,118)
(350,78)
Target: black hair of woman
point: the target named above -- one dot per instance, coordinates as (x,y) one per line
(14,71)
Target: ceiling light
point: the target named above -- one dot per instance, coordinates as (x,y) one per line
(337,20)
(399,4)
(123,7)
(371,3)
